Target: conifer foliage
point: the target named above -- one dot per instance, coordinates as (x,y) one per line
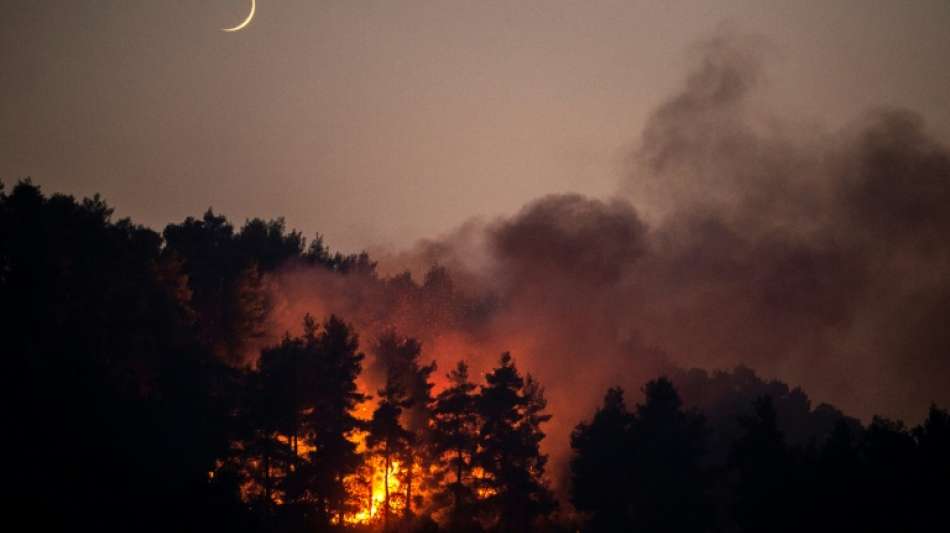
(144,395)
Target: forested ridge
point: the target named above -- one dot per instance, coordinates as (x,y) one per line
(135,406)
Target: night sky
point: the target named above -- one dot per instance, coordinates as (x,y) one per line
(686,184)
(379,123)
(750,198)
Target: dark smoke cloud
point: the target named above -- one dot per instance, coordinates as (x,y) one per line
(801,253)
(818,258)
(588,241)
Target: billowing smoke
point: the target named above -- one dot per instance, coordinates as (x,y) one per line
(818,258)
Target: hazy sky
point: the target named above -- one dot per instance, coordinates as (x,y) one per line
(380,122)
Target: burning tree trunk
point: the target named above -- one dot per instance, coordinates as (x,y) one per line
(369,490)
(455,431)
(386,490)
(407,510)
(458,481)
(386,436)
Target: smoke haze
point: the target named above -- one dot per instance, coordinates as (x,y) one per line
(738,237)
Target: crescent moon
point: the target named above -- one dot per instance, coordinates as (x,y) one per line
(246,21)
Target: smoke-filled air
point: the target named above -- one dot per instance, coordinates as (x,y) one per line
(745,331)
(817,258)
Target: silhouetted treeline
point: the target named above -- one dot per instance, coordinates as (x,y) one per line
(144,394)
(650,468)
(131,408)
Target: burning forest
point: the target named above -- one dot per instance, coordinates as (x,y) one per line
(149,368)
(748,333)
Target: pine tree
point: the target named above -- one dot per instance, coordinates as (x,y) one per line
(276,404)
(760,458)
(512,411)
(666,448)
(932,466)
(455,440)
(600,467)
(331,421)
(400,356)
(387,438)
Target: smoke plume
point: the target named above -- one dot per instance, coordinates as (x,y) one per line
(818,258)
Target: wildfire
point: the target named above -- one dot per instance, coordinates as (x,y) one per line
(479,475)
(373,493)
(367,488)
(370,484)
